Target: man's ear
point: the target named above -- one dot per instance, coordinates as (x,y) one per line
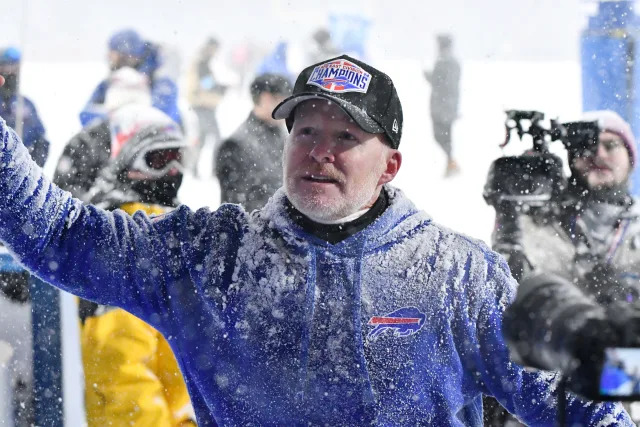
(394,161)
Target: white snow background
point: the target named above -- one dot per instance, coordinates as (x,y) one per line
(60,90)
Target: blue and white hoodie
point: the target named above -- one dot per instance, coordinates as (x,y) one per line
(399,324)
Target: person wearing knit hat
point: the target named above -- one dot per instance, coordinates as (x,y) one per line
(131,376)
(595,219)
(127,49)
(593,228)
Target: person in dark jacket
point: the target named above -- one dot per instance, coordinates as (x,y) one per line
(445,94)
(13,105)
(128,49)
(249,162)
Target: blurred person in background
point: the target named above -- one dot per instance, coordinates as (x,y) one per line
(249,162)
(11,101)
(322,47)
(131,375)
(128,49)
(592,234)
(15,300)
(445,96)
(126,384)
(205,94)
(277,62)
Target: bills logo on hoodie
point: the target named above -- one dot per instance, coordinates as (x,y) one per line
(340,76)
(401,323)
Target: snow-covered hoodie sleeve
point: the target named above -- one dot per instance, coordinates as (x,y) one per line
(530,395)
(107,257)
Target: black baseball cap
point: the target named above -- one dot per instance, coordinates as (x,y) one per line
(365,93)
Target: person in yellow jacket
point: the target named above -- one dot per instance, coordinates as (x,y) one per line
(131,375)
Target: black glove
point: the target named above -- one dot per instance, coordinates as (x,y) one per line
(608,285)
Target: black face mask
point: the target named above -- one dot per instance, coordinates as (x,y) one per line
(162,191)
(10,87)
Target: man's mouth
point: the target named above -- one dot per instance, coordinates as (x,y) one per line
(599,167)
(320,179)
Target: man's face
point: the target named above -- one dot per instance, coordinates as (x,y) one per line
(115,60)
(333,168)
(210,50)
(608,167)
(118,60)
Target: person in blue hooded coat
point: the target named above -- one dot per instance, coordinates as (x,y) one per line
(128,49)
(33,132)
(15,298)
(337,303)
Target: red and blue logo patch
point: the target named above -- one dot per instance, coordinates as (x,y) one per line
(401,323)
(340,76)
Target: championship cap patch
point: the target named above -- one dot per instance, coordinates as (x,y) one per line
(340,76)
(400,323)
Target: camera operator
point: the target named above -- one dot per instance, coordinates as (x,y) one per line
(590,235)
(596,221)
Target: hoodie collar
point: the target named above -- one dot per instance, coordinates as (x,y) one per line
(397,222)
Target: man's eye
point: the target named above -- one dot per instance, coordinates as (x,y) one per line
(346,136)
(306,131)
(611,145)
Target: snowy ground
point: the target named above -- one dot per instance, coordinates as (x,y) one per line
(488,88)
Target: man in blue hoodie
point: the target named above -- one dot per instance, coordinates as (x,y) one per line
(337,303)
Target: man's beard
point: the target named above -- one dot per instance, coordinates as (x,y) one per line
(616,193)
(319,209)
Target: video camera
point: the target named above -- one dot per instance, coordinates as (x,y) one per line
(595,345)
(588,331)
(535,179)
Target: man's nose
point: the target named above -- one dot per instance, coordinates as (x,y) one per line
(601,151)
(323,150)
